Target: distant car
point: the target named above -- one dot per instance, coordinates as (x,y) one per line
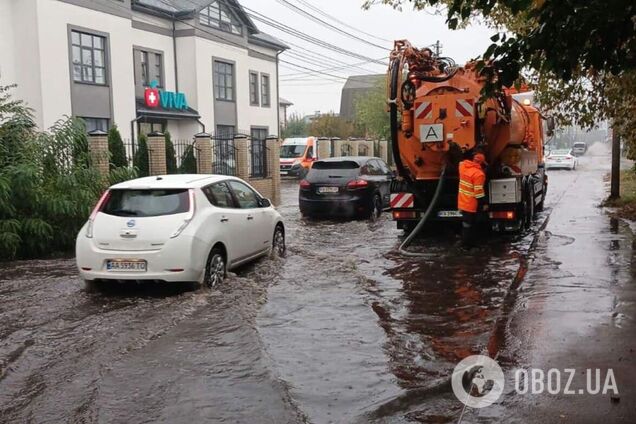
(349,186)
(177,228)
(297,155)
(563,159)
(579,148)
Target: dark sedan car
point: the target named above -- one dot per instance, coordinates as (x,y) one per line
(349,186)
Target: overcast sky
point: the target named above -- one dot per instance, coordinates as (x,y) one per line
(322,93)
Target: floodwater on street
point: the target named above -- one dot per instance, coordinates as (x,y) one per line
(343,329)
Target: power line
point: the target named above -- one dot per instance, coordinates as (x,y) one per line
(333,18)
(326,24)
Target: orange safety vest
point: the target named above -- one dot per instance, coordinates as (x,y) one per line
(471,185)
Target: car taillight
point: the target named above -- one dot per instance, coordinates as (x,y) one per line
(98,207)
(569,157)
(188,217)
(356,184)
(304,185)
(502,215)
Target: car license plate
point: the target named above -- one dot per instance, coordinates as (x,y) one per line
(449,214)
(327,189)
(283,172)
(126,265)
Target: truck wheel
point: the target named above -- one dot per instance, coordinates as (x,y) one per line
(529,218)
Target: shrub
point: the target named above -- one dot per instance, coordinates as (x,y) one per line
(116,148)
(47,187)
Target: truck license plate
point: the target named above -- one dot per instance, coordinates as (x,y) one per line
(126,265)
(449,214)
(327,189)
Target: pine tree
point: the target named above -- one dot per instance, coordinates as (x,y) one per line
(188,161)
(141,161)
(171,156)
(116,148)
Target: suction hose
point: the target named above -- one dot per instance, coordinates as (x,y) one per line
(420,225)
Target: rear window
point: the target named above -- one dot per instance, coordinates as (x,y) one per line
(345,164)
(579,144)
(147,202)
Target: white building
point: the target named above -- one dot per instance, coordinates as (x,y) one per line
(99,59)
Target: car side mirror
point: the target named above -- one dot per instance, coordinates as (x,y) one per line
(265,203)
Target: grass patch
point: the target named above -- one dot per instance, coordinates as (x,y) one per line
(626,204)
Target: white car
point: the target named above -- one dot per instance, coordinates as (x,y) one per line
(563,159)
(177,228)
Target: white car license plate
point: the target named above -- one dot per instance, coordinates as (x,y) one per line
(449,214)
(283,172)
(327,189)
(126,265)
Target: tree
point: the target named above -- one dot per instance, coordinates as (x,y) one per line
(188,161)
(141,160)
(330,125)
(116,148)
(171,155)
(296,127)
(579,55)
(371,115)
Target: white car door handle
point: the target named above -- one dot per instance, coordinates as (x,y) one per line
(224,219)
(250,217)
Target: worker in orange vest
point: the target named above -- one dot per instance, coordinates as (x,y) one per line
(471,196)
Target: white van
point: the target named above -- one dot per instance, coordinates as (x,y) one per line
(296,155)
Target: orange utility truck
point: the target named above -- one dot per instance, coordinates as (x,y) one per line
(437,119)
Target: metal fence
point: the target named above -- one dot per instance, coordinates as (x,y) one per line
(258,159)
(224,155)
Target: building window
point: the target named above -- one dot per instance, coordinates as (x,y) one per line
(148,67)
(224,81)
(218,15)
(89,58)
(258,152)
(93,124)
(254,88)
(158,69)
(143,62)
(151,126)
(264,90)
(225,131)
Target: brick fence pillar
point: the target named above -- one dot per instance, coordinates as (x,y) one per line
(324,147)
(203,145)
(354,147)
(384,150)
(337,148)
(273,164)
(98,151)
(241,143)
(157,154)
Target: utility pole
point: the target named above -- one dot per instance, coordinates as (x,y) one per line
(616,166)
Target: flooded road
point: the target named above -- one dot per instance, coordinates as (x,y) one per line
(343,329)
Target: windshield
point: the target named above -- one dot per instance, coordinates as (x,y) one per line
(292,151)
(579,144)
(144,203)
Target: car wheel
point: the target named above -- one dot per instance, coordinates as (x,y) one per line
(278,243)
(215,269)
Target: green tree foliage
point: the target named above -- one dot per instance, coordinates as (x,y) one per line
(188,161)
(296,127)
(141,159)
(171,155)
(372,117)
(330,125)
(116,149)
(47,187)
(579,55)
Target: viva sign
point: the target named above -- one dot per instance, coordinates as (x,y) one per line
(167,99)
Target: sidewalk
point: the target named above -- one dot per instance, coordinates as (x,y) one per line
(576,308)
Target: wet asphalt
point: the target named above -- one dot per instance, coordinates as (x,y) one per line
(343,329)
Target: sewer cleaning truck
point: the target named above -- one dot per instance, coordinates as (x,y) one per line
(438,118)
